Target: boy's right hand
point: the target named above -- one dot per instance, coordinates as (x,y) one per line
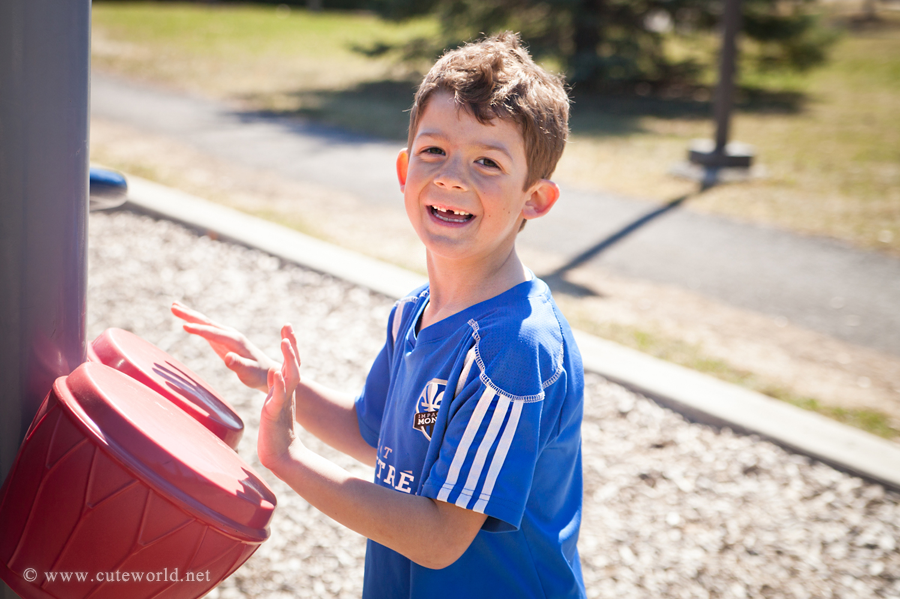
(277,422)
(243,358)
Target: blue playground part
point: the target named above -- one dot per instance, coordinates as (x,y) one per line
(109,189)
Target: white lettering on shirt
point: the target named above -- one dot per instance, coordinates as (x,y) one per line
(405,478)
(389,479)
(387,472)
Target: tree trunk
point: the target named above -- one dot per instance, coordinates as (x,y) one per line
(588,34)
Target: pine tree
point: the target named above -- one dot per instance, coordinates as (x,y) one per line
(609,42)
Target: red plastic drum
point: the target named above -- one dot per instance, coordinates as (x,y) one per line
(127,495)
(167,376)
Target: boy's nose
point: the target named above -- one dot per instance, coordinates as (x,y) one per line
(450,177)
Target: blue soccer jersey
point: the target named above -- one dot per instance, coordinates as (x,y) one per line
(483,410)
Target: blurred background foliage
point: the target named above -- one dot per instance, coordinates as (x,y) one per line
(608,43)
(605,44)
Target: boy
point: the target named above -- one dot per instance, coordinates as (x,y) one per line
(471,413)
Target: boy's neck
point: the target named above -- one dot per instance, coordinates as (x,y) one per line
(453,286)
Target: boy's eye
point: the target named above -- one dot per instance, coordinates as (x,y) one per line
(433,150)
(488,163)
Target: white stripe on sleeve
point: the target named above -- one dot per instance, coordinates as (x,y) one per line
(398,316)
(499,457)
(483,449)
(470,359)
(468,436)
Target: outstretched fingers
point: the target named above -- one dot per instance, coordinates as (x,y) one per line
(277,402)
(243,358)
(287,332)
(190,315)
(276,426)
(290,369)
(214,334)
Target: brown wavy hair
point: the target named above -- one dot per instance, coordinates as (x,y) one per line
(496,77)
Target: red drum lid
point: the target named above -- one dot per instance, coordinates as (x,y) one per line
(167,376)
(168,450)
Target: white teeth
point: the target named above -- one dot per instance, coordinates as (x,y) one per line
(456,212)
(458,216)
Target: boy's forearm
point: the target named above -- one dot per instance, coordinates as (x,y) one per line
(330,415)
(431,533)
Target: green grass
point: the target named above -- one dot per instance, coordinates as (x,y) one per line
(269,59)
(692,356)
(249,33)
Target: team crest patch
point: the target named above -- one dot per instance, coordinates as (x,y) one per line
(428,405)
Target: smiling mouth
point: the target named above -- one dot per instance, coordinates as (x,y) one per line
(451,216)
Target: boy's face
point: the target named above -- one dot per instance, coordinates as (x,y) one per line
(463,180)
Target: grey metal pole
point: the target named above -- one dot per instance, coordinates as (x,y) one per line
(44,105)
(718,154)
(725,90)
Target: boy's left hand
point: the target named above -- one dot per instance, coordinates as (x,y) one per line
(246,360)
(276,425)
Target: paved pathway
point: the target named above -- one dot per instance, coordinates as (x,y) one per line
(817,284)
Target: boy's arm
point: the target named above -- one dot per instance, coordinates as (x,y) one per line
(331,416)
(431,533)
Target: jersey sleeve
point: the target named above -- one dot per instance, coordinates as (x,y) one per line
(371,400)
(492,440)
(487,460)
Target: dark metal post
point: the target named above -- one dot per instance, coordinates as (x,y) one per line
(725,92)
(44,87)
(722,154)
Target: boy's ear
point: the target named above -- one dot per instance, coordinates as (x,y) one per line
(544,194)
(402,167)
